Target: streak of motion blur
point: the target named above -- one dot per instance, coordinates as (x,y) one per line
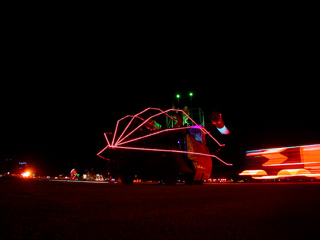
(284,162)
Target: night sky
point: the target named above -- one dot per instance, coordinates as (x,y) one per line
(62,89)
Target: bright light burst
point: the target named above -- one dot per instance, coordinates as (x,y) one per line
(26,174)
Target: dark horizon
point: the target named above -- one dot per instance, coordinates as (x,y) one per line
(58,97)
(63,129)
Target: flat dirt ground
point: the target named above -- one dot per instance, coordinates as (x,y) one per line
(35,209)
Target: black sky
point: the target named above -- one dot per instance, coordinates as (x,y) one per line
(63,88)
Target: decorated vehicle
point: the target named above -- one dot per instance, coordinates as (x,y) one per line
(164,146)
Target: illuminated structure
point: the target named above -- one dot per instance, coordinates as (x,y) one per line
(161,145)
(286,162)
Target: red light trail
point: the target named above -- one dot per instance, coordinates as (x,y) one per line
(284,161)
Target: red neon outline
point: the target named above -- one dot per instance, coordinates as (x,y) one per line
(120,139)
(157,109)
(173,151)
(98,154)
(117,125)
(152,134)
(207,132)
(105,136)
(163,150)
(116,128)
(132,117)
(162,112)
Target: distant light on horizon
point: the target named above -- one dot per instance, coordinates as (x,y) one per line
(26,174)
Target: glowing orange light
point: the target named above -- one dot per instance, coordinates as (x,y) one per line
(26,174)
(300,161)
(274,156)
(253,173)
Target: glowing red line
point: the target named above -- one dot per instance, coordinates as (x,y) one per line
(98,154)
(127,125)
(283,164)
(105,135)
(120,140)
(207,132)
(157,109)
(162,112)
(116,129)
(173,151)
(117,125)
(152,134)
(102,157)
(132,117)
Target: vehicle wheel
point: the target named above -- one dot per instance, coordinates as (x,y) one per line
(170,181)
(198,182)
(126,179)
(189,179)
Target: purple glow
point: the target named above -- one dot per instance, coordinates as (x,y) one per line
(196,126)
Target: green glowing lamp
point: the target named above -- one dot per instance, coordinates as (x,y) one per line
(190,94)
(178,96)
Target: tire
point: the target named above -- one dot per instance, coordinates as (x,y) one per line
(198,182)
(170,181)
(126,179)
(189,179)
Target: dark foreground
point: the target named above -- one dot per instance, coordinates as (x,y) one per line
(31,209)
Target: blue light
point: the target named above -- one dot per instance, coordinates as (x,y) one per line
(223,130)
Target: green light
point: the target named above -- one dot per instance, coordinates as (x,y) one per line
(178,95)
(191,94)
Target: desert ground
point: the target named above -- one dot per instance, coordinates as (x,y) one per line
(37,209)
